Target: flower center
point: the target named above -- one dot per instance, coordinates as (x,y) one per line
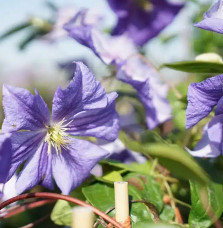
(57,137)
(145,5)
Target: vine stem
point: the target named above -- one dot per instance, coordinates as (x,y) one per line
(61,197)
(24,207)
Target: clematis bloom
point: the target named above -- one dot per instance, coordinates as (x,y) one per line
(122,53)
(202,98)
(47,145)
(142,20)
(213,18)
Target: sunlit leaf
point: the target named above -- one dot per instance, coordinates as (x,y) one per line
(195,66)
(177,160)
(207,204)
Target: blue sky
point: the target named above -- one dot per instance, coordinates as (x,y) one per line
(41,55)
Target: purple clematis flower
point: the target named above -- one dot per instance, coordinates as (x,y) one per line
(202,98)
(5,156)
(46,145)
(213,18)
(122,53)
(142,20)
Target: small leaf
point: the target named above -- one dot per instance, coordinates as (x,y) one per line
(177,160)
(100,196)
(110,177)
(195,67)
(167,214)
(150,225)
(62,213)
(143,168)
(207,204)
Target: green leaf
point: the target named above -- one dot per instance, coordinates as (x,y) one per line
(110,177)
(150,225)
(174,158)
(195,66)
(167,214)
(102,196)
(143,168)
(207,204)
(62,213)
(146,188)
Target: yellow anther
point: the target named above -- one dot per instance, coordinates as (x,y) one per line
(57,137)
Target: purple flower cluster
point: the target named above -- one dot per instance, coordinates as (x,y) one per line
(47,145)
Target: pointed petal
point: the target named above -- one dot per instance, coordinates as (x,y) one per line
(215,131)
(5,156)
(151,91)
(211,24)
(202,97)
(24,111)
(72,166)
(34,170)
(24,146)
(108,49)
(87,106)
(140,23)
(213,19)
(204,148)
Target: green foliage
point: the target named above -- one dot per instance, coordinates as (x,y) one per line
(177,160)
(207,204)
(196,67)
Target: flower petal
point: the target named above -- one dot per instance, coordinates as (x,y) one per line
(24,146)
(5,156)
(24,111)
(215,131)
(202,97)
(108,49)
(87,106)
(211,24)
(72,166)
(213,18)
(151,91)
(143,22)
(35,170)
(205,148)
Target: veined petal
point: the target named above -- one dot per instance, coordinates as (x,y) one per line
(86,106)
(5,156)
(24,146)
(151,91)
(205,148)
(72,166)
(35,170)
(213,18)
(143,20)
(108,49)
(202,97)
(211,24)
(215,131)
(24,111)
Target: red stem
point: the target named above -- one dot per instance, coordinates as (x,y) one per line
(22,208)
(62,197)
